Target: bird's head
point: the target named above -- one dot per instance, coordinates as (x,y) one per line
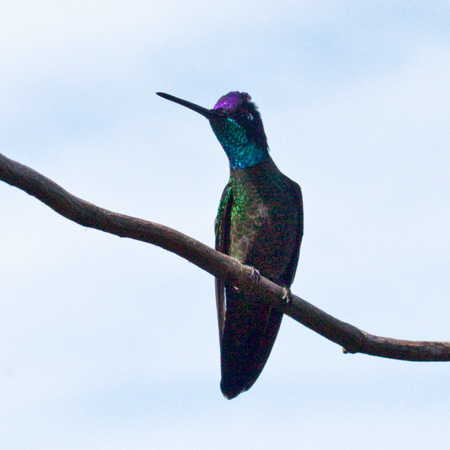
(237,124)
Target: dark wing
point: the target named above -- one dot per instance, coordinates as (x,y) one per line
(222,230)
(289,275)
(245,330)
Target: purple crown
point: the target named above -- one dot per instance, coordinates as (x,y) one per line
(232,100)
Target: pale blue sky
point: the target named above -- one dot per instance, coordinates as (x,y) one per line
(107,343)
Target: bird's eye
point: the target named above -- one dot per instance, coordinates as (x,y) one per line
(250,116)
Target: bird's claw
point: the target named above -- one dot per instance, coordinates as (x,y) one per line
(287,296)
(255,275)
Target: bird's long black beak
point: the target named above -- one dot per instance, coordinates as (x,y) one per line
(208,113)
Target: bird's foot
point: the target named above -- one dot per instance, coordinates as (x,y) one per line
(255,275)
(287,296)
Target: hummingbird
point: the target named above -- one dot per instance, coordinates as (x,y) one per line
(260,224)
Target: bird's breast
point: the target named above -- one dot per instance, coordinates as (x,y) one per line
(263,226)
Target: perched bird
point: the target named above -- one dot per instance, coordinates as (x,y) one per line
(259,223)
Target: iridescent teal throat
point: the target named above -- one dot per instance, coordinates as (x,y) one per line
(241,151)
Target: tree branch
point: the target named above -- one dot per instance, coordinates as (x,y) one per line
(352,339)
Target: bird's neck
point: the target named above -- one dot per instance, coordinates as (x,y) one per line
(242,152)
(257,177)
(246,156)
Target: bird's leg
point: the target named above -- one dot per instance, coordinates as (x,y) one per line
(287,296)
(255,275)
